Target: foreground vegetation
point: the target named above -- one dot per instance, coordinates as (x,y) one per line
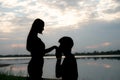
(10,77)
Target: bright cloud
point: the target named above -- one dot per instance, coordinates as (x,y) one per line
(8,3)
(18,45)
(60,13)
(6,27)
(1,39)
(105,44)
(105,6)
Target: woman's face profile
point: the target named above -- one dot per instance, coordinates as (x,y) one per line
(41,30)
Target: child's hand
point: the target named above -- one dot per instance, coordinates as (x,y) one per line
(58,53)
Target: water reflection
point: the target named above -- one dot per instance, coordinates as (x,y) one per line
(101,69)
(97,58)
(89,68)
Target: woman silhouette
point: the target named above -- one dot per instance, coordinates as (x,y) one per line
(37,49)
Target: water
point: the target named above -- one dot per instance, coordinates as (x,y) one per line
(89,67)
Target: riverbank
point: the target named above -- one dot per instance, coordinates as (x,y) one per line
(5,76)
(10,77)
(4,65)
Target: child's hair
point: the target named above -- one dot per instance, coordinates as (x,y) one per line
(66,41)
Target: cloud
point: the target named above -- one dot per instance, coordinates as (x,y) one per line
(6,27)
(113,10)
(2,39)
(96,20)
(18,45)
(8,3)
(6,22)
(61,13)
(104,6)
(105,44)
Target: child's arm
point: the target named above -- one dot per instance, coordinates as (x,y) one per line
(58,63)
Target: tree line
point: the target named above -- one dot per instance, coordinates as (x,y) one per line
(115,52)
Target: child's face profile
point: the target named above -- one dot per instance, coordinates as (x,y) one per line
(63,47)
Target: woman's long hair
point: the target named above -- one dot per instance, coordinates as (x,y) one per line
(33,31)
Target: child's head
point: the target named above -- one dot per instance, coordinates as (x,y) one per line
(66,43)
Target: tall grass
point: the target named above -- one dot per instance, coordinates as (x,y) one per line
(10,77)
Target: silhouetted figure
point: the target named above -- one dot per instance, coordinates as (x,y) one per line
(37,49)
(68,69)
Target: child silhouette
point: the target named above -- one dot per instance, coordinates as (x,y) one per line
(68,69)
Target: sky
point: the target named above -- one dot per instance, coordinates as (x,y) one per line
(94,25)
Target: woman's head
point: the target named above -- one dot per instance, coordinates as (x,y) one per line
(38,26)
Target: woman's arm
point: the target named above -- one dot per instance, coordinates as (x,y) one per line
(50,49)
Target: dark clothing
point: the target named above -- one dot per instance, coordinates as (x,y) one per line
(69,68)
(35,69)
(35,66)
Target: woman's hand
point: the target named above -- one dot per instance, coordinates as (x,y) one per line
(50,49)
(55,47)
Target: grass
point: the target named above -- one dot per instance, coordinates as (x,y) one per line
(11,77)
(8,75)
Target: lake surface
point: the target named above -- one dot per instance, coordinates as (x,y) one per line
(89,67)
